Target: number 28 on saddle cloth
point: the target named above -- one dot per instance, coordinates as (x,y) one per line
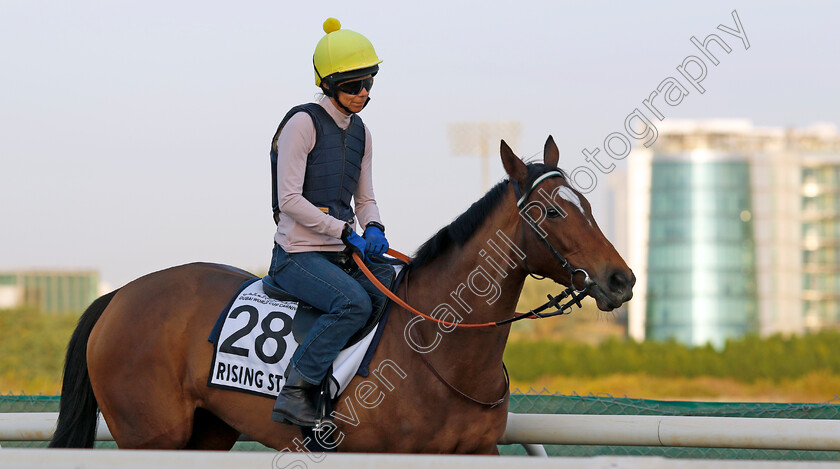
(259,330)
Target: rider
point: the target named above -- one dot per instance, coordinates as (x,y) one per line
(321,157)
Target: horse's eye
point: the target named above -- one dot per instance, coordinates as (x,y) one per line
(552,213)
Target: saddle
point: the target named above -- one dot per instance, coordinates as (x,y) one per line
(307,314)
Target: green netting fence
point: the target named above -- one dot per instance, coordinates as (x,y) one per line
(545,402)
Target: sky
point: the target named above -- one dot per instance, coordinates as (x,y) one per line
(134,135)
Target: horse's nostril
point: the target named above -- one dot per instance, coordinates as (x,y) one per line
(619,280)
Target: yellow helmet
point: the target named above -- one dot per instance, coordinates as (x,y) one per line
(343,55)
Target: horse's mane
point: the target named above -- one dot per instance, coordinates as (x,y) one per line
(465,225)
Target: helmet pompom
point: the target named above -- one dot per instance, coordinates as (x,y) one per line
(331,25)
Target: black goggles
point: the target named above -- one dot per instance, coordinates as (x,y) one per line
(355,87)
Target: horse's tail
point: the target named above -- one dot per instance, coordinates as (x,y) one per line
(78,410)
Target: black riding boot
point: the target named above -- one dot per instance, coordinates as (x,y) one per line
(296,401)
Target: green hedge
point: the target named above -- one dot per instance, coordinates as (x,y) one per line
(746,359)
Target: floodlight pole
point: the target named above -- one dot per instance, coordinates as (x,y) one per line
(484,154)
(471,138)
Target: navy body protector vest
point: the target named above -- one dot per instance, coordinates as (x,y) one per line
(332,167)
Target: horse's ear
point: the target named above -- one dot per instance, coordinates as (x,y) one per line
(515,168)
(551,155)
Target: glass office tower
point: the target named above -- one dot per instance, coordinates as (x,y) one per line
(734,229)
(701,256)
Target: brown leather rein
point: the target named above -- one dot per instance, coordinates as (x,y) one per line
(553,301)
(398,255)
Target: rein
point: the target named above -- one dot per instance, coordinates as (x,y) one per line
(402,303)
(573,294)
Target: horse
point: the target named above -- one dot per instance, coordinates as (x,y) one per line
(140,354)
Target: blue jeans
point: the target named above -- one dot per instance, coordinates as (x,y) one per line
(315,278)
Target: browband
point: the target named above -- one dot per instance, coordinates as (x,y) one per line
(534,185)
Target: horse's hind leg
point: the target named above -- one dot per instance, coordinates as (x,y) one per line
(210,432)
(147,417)
(139,421)
(155,412)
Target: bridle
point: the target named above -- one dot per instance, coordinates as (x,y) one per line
(553,301)
(574,295)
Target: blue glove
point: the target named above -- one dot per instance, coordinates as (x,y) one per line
(376,242)
(353,241)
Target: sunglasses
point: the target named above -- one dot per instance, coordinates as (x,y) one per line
(355,87)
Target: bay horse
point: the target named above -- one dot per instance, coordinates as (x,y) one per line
(141,356)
